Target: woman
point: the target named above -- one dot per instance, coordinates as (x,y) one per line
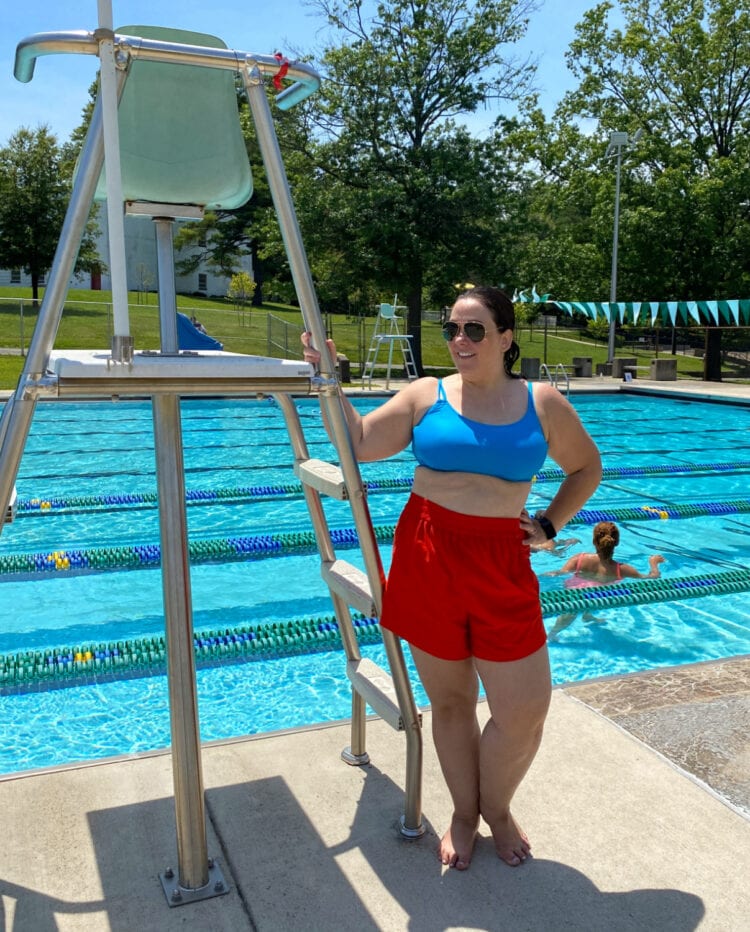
(599,569)
(461,589)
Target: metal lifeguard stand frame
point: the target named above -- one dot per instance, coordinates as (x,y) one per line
(387,332)
(143,131)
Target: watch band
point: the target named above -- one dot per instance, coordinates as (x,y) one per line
(547,526)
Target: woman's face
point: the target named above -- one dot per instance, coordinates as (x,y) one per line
(486,349)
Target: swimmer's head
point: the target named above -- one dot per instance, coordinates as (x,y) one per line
(606,538)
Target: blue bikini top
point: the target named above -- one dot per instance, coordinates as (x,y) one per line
(447,441)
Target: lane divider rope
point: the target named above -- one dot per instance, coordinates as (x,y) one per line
(91,662)
(116,502)
(242,547)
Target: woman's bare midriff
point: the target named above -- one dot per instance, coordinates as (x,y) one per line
(470,493)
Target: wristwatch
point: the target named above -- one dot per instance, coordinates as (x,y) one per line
(547,526)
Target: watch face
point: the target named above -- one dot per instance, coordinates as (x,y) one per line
(548,527)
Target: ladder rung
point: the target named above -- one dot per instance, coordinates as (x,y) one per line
(10,513)
(350,583)
(376,688)
(325,477)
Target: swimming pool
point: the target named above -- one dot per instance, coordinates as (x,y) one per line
(86,485)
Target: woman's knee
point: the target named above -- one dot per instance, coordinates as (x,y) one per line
(525,716)
(462,709)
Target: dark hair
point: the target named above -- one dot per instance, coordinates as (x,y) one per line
(606,538)
(503,313)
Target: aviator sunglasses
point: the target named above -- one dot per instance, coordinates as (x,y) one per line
(472,330)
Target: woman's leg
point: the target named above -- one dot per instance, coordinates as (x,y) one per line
(518,695)
(453,688)
(563,621)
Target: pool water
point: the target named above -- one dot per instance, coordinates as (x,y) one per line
(102,449)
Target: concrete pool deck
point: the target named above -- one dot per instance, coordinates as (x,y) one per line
(638,807)
(623,839)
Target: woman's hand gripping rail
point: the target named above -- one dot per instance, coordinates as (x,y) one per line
(353,418)
(384,431)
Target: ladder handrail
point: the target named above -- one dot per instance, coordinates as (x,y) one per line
(85,42)
(331,395)
(552,379)
(561,368)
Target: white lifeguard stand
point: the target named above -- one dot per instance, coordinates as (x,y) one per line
(387,333)
(166,128)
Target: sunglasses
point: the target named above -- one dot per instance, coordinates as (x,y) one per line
(472,330)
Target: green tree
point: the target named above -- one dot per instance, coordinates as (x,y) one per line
(241,289)
(553,187)
(33,199)
(680,71)
(417,185)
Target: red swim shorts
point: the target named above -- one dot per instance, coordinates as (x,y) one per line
(462,586)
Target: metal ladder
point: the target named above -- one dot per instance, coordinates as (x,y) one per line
(387,333)
(559,370)
(166,376)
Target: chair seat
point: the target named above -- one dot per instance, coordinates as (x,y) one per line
(180,135)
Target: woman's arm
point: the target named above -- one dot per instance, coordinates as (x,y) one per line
(571,447)
(385,431)
(568,567)
(654,573)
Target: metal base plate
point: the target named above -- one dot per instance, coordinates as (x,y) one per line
(178,896)
(411,832)
(355,760)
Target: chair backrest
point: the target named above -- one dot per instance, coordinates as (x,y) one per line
(180,135)
(387,311)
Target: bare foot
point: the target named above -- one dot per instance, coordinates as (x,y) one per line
(511,843)
(457,845)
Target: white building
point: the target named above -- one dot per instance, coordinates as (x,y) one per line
(140,264)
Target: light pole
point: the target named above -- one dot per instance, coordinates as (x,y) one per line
(617,142)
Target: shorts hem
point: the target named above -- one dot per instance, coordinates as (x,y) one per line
(509,656)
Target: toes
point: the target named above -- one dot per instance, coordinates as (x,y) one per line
(513,858)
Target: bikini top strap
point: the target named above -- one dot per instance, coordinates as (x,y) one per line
(441,391)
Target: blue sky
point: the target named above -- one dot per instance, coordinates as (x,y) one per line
(58,92)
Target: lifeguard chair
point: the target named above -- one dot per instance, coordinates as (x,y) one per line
(387,333)
(166,129)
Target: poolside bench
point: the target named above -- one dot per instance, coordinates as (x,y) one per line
(632,371)
(619,363)
(659,370)
(664,370)
(530,367)
(583,366)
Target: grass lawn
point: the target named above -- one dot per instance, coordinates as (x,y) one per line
(87,324)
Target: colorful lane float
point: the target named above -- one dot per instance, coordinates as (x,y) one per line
(43,669)
(77,504)
(87,663)
(139,556)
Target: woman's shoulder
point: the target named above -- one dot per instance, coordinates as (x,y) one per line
(424,387)
(417,395)
(545,394)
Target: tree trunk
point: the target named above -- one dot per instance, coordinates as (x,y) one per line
(414,321)
(257,273)
(35,290)
(712,355)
